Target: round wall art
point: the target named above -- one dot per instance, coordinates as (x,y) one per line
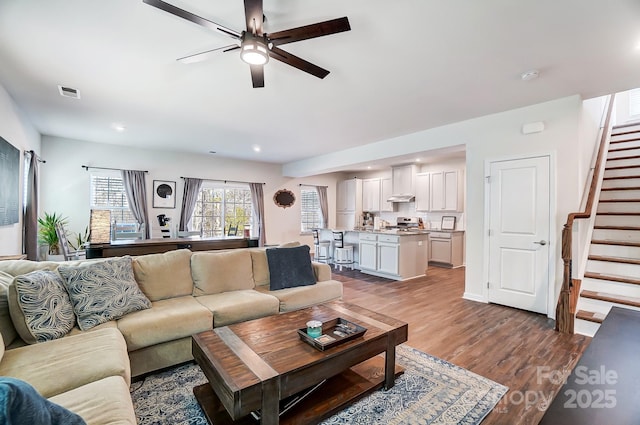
(284,198)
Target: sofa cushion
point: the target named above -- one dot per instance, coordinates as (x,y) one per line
(305,296)
(75,361)
(238,306)
(290,267)
(260,266)
(216,272)
(166,320)
(106,401)
(103,291)
(162,276)
(18,267)
(40,306)
(20,403)
(7,330)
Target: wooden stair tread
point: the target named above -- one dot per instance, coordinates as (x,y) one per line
(614,242)
(608,189)
(613,278)
(612,298)
(621,177)
(590,316)
(624,260)
(628,148)
(632,139)
(618,213)
(620,158)
(627,125)
(619,200)
(631,228)
(622,167)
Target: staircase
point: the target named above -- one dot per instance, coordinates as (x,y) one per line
(612,274)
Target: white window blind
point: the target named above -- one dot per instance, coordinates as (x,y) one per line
(311,217)
(107,193)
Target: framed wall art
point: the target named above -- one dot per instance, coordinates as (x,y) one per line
(164,194)
(9,183)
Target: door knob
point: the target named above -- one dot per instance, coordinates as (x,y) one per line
(542,242)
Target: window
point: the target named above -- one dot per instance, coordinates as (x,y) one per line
(634,102)
(221,206)
(311,216)
(107,193)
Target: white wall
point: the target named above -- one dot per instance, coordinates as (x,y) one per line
(492,137)
(17,130)
(65,185)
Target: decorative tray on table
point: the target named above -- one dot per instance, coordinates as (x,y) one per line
(334,332)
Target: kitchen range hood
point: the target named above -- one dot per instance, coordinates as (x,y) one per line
(402,198)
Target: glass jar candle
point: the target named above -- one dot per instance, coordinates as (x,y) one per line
(314,328)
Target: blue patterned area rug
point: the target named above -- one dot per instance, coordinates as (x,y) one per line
(431,391)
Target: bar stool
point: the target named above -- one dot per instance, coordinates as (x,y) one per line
(322,249)
(342,254)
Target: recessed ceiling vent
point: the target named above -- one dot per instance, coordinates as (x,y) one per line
(69,92)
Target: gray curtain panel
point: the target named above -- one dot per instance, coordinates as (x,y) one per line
(324,205)
(135,186)
(257,201)
(191,190)
(30,222)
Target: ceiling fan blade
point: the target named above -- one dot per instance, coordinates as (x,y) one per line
(202,56)
(296,62)
(310,31)
(257,75)
(193,18)
(254,13)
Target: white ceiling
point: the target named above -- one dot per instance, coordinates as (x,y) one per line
(405,66)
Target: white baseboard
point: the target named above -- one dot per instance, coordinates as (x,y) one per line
(474,297)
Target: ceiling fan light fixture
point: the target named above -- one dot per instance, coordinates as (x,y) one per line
(254,51)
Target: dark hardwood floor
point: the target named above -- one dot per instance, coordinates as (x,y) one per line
(516,348)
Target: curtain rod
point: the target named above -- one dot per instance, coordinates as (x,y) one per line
(218,180)
(312,185)
(36,155)
(86,167)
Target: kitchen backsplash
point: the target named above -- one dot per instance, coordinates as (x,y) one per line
(432,220)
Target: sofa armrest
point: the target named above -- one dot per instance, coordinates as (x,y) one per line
(322,271)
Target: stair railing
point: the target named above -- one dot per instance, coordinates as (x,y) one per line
(566,308)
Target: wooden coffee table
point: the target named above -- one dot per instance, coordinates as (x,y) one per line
(252,366)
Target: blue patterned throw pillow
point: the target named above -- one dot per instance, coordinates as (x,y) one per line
(40,306)
(103,291)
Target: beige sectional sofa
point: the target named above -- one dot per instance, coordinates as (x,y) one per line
(90,372)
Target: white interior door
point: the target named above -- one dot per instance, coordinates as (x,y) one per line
(519,224)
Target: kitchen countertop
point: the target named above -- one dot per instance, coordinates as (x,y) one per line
(396,232)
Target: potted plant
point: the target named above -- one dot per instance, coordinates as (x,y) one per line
(81,240)
(47,231)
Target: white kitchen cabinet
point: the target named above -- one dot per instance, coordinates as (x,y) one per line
(423,188)
(386,190)
(368,251)
(389,257)
(446,191)
(371,195)
(403,179)
(446,249)
(348,203)
(345,220)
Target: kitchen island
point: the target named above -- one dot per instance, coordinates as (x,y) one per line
(393,254)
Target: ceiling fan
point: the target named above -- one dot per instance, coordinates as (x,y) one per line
(257,47)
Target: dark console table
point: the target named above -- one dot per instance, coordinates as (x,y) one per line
(604,387)
(155,246)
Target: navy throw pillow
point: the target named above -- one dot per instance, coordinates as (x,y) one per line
(21,404)
(290,267)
